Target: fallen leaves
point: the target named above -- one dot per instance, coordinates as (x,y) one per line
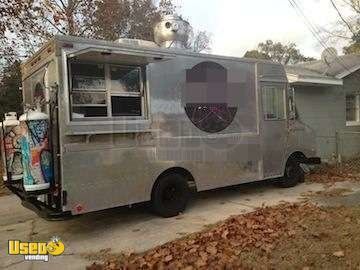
(168,258)
(220,246)
(330,174)
(211,250)
(339,254)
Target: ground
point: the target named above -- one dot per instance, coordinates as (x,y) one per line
(281,237)
(312,234)
(3,190)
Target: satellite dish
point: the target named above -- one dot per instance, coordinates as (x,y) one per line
(329,55)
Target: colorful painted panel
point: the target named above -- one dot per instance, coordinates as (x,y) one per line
(36,155)
(13,152)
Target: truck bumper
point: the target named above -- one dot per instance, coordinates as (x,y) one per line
(40,208)
(43,211)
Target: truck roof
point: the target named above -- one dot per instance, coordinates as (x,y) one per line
(113,45)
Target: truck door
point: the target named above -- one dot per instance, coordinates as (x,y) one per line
(273,128)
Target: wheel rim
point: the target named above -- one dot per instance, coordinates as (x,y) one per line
(171,194)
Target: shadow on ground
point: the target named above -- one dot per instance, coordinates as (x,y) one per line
(143,211)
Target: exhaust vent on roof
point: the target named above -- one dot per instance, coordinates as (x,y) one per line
(172,32)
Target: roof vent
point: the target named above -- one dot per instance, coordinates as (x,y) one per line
(136,42)
(329,55)
(172,32)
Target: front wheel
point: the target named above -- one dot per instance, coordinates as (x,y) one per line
(170,195)
(293,175)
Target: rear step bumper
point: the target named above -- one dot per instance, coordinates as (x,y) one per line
(43,210)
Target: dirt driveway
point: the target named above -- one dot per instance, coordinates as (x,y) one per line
(135,229)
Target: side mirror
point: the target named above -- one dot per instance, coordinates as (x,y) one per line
(292,106)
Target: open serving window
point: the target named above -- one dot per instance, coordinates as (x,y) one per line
(108,91)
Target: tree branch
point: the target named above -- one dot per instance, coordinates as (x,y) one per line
(335,35)
(62,7)
(355,6)
(57,28)
(63,4)
(341,17)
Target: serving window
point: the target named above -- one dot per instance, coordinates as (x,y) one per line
(106,91)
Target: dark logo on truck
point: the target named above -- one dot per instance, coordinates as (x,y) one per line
(207,103)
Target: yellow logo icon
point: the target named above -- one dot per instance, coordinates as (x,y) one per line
(55,247)
(37,251)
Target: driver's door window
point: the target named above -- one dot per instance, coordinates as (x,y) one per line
(273,102)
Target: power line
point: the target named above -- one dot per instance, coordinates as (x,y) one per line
(308,23)
(314,31)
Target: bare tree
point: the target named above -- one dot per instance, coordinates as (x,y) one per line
(200,42)
(136,19)
(25,25)
(128,18)
(347,28)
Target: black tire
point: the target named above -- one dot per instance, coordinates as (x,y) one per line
(293,175)
(170,195)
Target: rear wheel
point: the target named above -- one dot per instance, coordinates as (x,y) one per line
(293,175)
(170,195)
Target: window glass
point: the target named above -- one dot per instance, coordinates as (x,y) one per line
(125,79)
(88,111)
(125,106)
(89,98)
(273,102)
(351,108)
(88,90)
(35,86)
(89,77)
(39,91)
(94,86)
(27,91)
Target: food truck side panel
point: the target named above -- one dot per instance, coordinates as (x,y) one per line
(107,170)
(216,157)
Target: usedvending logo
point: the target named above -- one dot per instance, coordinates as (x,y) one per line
(36,251)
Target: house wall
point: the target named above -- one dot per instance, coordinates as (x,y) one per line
(349,138)
(323,109)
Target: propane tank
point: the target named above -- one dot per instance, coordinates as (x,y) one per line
(35,150)
(11,152)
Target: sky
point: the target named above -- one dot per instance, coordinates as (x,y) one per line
(239,25)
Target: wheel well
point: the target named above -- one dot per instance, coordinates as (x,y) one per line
(179,170)
(299,156)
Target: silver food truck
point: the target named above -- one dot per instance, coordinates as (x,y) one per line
(110,124)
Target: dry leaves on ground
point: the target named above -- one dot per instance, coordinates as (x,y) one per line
(332,173)
(220,246)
